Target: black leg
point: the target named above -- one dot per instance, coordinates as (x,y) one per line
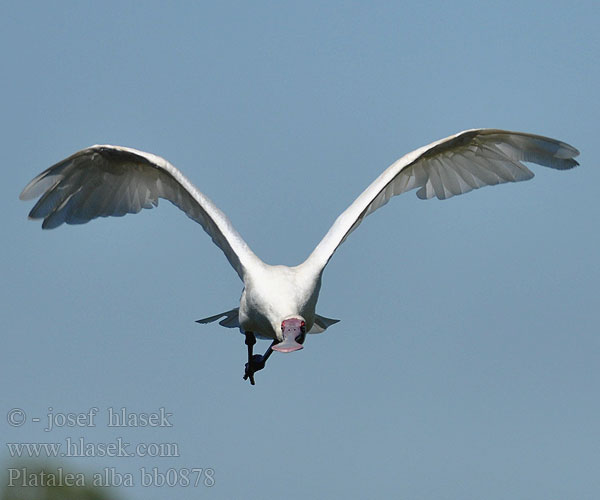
(255,362)
(250,341)
(269,351)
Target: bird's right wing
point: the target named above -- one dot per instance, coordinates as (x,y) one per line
(455,165)
(102,181)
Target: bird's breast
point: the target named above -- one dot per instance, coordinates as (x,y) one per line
(271,296)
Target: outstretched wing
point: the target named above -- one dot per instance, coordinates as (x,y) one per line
(455,165)
(102,181)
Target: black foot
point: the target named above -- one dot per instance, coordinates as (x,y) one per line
(256,363)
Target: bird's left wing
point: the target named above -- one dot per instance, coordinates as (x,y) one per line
(455,165)
(103,180)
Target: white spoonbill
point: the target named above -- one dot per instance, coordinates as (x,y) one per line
(278,302)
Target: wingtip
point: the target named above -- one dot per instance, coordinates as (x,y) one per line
(26,194)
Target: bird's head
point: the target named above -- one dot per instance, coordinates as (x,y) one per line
(293,331)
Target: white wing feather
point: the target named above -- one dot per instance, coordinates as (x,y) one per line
(455,165)
(103,180)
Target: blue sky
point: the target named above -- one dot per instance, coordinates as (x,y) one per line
(466,362)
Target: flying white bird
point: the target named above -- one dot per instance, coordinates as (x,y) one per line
(278,302)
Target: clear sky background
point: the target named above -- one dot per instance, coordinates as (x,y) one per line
(466,364)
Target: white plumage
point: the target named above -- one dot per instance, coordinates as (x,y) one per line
(102,181)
